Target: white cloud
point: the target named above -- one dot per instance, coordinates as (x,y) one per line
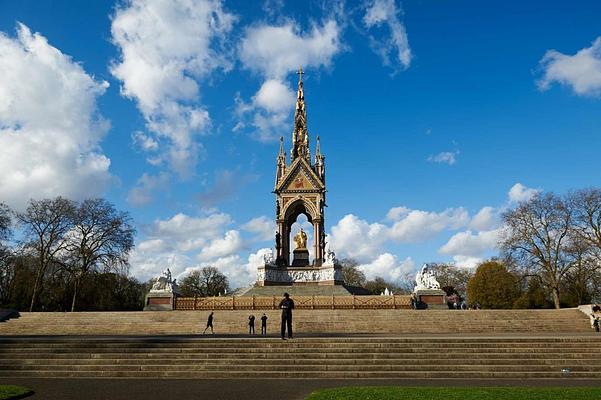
(354,237)
(263,227)
(445,157)
(190,233)
(223,247)
(146,185)
(388,267)
(273,51)
(144,142)
(418,225)
(519,193)
(396,213)
(166,48)
(485,219)
(184,243)
(581,71)
(392,48)
(274,96)
(469,244)
(467,262)
(50,130)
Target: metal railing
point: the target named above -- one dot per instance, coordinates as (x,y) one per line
(300,302)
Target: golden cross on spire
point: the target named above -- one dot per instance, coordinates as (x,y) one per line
(300,74)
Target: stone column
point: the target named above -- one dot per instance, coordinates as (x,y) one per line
(317,232)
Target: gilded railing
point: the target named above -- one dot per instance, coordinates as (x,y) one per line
(300,302)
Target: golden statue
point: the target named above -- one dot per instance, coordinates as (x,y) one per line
(301,240)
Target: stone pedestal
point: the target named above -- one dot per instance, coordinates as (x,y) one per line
(301,258)
(273,275)
(436,299)
(159,301)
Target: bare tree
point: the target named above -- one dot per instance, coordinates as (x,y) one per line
(536,238)
(45,224)
(101,238)
(452,277)
(352,275)
(208,281)
(586,204)
(6,268)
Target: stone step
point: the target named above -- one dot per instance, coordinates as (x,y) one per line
(301,375)
(276,363)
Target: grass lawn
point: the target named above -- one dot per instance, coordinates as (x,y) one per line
(459,393)
(9,391)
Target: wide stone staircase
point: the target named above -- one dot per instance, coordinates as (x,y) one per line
(387,321)
(444,357)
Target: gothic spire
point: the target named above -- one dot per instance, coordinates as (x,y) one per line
(300,136)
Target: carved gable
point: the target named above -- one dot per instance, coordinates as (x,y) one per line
(300,178)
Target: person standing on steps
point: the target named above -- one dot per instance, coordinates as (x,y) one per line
(264,324)
(209,324)
(286,305)
(251,325)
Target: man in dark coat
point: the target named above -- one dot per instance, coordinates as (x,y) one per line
(287,305)
(251,325)
(264,324)
(209,324)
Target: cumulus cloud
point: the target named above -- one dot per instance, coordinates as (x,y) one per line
(166,48)
(418,225)
(142,193)
(388,267)
(519,193)
(581,71)
(228,245)
(354,237)
(485,219)
(184,243)
(273,51)
(263,227)
(445,157)
(393,45)
(469,244)
(50,130)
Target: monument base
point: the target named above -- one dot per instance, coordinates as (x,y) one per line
(300,258)
(325,274)
(159,301)
(436,299)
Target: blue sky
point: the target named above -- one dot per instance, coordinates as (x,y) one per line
(434,117)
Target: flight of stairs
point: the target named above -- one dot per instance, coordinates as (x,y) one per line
(419,357)
(305,322)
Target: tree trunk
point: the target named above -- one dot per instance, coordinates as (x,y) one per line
(74,294)
(555,292)
(36,286)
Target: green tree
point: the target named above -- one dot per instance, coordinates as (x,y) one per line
(493,286)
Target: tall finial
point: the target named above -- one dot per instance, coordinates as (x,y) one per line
(282,145)
(317,149)
(300,74)
(300,136)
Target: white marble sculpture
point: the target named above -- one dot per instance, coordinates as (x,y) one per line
(425,280)
(330,257)
(164,283)
(269,258)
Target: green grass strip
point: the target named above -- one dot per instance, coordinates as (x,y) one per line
(459,393)
(12,392)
